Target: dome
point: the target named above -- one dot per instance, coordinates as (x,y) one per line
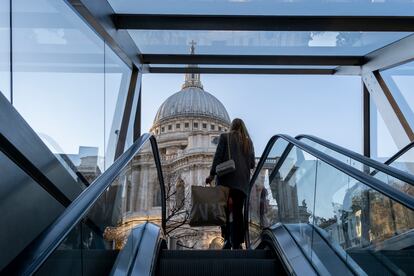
(192,101)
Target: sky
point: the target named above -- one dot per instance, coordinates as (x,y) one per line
(325,106)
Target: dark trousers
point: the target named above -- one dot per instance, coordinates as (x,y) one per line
(233,231)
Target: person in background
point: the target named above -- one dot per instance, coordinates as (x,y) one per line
(242,152)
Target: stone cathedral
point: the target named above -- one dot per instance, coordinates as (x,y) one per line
(187,127)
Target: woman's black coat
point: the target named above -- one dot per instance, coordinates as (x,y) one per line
(240,178)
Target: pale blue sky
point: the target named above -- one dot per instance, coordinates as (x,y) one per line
(326,106)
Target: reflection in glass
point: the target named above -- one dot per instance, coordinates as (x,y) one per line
(125,204)
(262,43)
(5,48)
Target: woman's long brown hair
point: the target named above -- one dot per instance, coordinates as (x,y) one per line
(239,128)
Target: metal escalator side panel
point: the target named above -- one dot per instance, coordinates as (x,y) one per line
(140,253)
(147,255)
(294,260)
(125,257)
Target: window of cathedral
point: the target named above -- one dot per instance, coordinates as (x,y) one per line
(169,127)
(214,140)
(187,125)
(177,126)
(180,194)
(156,197)
(195,125)
(219,128)
(204,125)
(162,129)
(213,127)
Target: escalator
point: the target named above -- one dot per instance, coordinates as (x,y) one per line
(308,213)
(331,200)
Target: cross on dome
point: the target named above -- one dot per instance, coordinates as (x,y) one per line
(192,79)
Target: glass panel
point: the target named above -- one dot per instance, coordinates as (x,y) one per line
(382,144)
(59,81)
(278,7)
(262,43)
(405,162)
(331,214)
(263,206)
(293,188)
(390,180)
(117,78)
(372,229)
(5,48)
(127,203)
(400,81)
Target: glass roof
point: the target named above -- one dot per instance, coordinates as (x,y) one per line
(262,42)
(266,7)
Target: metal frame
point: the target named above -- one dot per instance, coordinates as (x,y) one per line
(264,22)
(388,107)
(252,60)
(262,71)
(399,153)
(98,13)
(120,146)
(366,121)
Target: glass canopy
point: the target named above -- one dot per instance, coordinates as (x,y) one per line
(266,7)
(262,42)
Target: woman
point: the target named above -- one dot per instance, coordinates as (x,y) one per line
(242,152)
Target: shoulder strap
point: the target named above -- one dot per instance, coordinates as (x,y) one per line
(228,145)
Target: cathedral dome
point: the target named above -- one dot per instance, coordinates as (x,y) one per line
(192,101)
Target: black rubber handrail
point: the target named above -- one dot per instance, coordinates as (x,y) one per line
(381,187)
(30,260)
(380,167)
(399,153)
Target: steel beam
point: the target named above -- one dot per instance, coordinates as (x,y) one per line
(126,116)
(394,119)
(218,70)
(252,60)
(391,55)
(98,14)
(366,121)
(264,22)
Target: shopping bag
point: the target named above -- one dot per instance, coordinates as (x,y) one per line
(208,205)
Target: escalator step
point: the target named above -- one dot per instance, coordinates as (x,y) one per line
(206,254)
(210,266)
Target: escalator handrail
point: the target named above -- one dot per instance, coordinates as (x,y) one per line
(399,153)
(401,175)
(42,247)
(370,181)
